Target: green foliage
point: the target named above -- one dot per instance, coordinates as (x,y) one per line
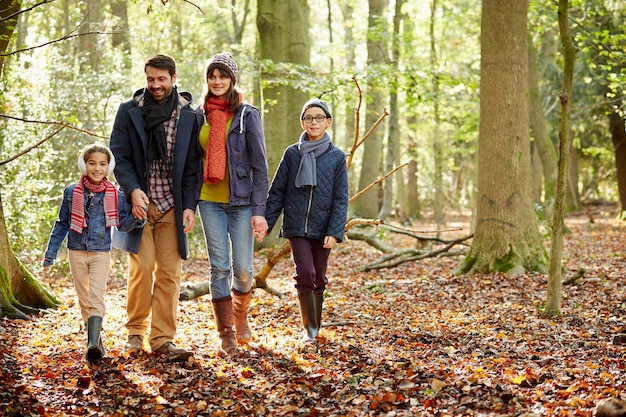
(56,83)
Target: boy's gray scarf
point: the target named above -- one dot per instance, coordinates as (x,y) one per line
(309,151)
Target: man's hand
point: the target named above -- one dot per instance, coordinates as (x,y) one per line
(140,201)
(189,220)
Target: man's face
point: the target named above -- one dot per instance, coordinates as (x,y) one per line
(160,82)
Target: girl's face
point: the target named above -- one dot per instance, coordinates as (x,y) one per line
(218,83)
(97,164)
(313,128)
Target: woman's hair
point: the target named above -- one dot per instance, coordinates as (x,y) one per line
(233,95)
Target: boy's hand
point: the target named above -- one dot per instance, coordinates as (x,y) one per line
(259,227)
(330,242)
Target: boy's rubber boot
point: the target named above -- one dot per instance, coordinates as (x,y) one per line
(224,321)
(95,350)
(241,303)
(319,303)
(308,312)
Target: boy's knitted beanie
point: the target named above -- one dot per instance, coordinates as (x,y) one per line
(316,102)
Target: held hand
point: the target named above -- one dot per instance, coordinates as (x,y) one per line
(259,227)
(139,201)
(189,220)
(329,242)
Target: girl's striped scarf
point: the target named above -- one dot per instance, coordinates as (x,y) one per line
(77,222)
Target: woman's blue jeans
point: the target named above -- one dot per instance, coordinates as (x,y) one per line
(230,246)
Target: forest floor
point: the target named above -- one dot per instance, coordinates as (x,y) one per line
(415,340)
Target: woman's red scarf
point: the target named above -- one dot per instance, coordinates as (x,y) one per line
(217,116)
(77,222)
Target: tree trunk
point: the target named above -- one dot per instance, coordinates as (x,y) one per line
(553,297)
(88,45)
(539,127)
(20,292)
(120,40)
(350,62)
(537,176)
(618,136)
(8,16)
(392,156)
(506,237)
(572,198)
(284,35)
(437,148)
(368,203)
(414,209)
(284,38)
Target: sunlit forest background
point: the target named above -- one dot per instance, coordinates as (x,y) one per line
(70,63)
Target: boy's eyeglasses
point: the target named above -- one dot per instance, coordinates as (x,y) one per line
(309,119)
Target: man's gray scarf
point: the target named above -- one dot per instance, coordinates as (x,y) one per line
(309,151)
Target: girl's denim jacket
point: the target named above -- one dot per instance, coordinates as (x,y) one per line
(96,237)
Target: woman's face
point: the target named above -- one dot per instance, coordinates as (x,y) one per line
(218,82)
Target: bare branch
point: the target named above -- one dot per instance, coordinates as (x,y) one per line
(30,148)
(66,125)
(14,15)
(61,125)
(64,38)
(357,117)
(357,195)
(413,233)
(369,132)
(194,5)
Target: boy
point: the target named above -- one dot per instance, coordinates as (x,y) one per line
(311,189)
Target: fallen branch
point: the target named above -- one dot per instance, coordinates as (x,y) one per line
(577,275)
(408,255)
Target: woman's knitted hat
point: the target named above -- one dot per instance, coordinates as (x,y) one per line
(88,150)
(316,102)
(223,60)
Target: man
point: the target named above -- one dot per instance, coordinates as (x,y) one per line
(154,140)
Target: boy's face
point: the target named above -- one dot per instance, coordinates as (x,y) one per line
(97,164)
(313,128)
(160,82)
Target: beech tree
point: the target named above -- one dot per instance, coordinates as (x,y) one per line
(20,292)
(506,235)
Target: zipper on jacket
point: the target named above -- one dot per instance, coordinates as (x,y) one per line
(308,212)
(243,110)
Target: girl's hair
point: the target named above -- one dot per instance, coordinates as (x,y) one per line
(96,148)
(233,95)
(93,148)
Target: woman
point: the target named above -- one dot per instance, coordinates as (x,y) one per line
(233,195)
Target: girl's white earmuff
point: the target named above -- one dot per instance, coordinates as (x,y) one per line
(81,158)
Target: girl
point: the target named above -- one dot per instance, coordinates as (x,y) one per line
(89,210)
